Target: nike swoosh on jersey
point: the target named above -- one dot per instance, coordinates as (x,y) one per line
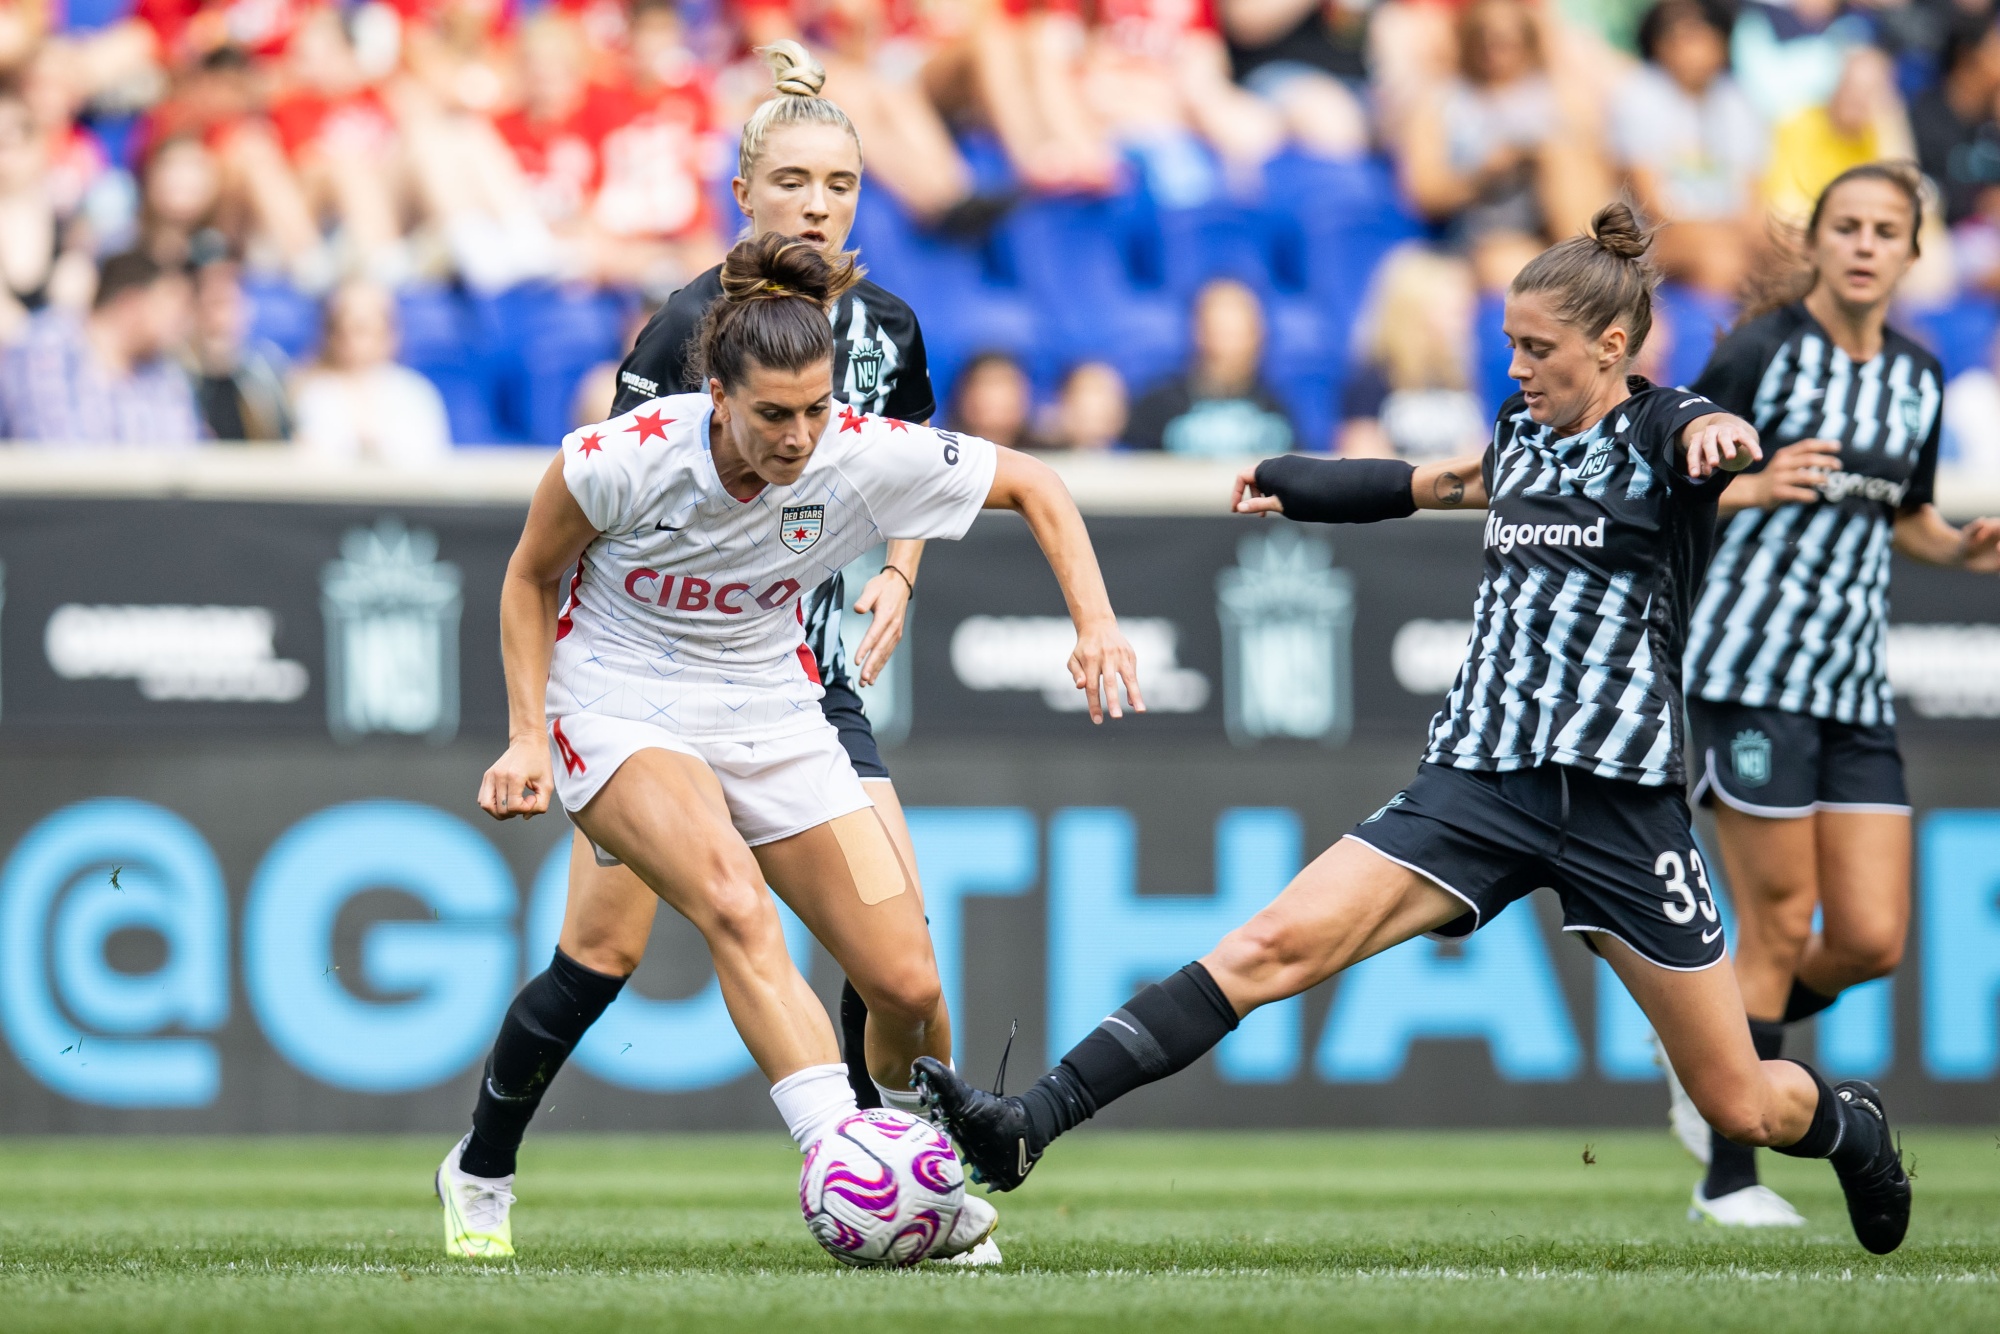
(1708,936)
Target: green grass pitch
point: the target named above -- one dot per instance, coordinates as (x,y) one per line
(1115,1232)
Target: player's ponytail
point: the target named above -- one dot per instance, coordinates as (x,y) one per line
(798,79)
(777,292)
(1600,278)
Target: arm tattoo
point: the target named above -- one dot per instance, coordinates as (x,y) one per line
(1449,488)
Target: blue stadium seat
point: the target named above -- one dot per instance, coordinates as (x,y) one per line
(280,314)
(541,340)
(1694,321)
(90,15)
(438,341)
(1962,333)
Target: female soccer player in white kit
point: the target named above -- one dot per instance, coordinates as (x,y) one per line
(659,684)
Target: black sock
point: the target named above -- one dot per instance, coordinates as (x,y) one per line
(1165,1028)
(1848,1136)
(1733,1166)
(854,1046)
(1804,1002)
(542,1027)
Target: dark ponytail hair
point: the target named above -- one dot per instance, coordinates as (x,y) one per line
(1600,278)
(776,293)
(1790,274)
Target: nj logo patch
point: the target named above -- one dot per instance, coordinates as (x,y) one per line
(864,368)
(1750,757)
(1596,459)
(799,526)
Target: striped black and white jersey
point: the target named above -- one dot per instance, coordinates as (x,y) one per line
(879,367)
(1795,614)
(1595,545)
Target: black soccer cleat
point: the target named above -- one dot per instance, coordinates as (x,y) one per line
(993,1133)
(1878,1193)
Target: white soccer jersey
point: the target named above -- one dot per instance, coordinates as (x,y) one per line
(685,611)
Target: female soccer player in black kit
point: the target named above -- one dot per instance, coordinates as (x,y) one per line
(1556,759)
(1793,732)
(800,166)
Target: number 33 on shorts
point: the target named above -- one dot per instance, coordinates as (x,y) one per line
(1680,909)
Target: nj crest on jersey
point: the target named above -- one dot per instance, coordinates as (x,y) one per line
(1750,757)
(799,526)
(864,367)
(1597,459)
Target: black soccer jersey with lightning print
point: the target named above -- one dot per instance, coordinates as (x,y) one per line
(1795,614)
(879,367)
(1595,544)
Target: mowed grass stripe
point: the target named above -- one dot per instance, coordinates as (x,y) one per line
(1116,1232)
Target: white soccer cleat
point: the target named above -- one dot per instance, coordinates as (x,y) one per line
(984,1255)
(1753,1206)
(970,1242)
(1689,1127)
(475,1210)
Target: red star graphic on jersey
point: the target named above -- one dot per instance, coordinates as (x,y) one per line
(850,420)
(590,444)
(649,425)
(898,424)
(800,534)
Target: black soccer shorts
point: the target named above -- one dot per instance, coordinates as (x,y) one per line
(1621,857)
(842,708)
(1783,765)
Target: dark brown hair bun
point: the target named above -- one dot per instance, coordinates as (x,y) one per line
(777,294)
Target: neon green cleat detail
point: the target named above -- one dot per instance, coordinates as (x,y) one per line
(475,1211)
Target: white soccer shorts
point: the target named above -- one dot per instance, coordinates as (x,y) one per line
(775,788)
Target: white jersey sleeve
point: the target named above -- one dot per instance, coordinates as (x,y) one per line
(918,482)
(610,467)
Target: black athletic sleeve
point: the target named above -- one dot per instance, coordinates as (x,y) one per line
(1339,490)
(658,362)
(1923,479)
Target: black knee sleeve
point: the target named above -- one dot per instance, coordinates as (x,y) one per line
(543,1025)
(1804,1002)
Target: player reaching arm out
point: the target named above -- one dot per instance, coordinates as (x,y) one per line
(1366,490)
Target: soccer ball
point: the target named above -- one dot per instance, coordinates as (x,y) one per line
(881,1189)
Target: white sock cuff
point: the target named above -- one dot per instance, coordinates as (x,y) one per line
(813,1101)
(902,1100)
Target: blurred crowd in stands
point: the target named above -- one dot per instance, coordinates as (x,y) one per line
(1196,226)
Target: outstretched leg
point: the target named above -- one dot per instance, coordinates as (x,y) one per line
(1352,902)
(1782,1105)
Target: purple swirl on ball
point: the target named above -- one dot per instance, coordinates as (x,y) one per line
(835,1235)
(932,1169)
(925,1228)
(877,1196)
(805,1176)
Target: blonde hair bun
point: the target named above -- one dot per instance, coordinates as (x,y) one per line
(794,72)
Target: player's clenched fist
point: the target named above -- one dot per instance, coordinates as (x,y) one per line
(519,782)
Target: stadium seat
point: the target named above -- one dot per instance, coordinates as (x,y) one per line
(1694,321)
(1962,333)
(281,314)
(437,341)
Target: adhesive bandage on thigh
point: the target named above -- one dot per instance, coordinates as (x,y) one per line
(871,858)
